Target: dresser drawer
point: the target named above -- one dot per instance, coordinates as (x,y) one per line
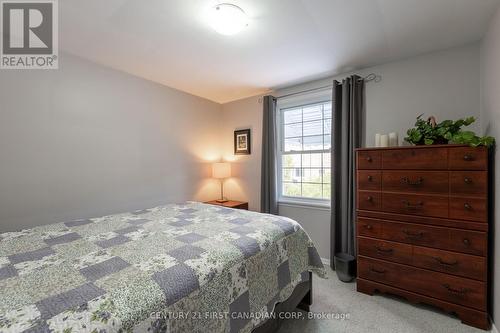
(446,287)
(470,209)
(410,233)
(460,264)
(368,200)
(438,237)
(474,183)
(413,204)
(369,227)
(415,159)
(368,160)
(458,240)
(468,158)
(369,180)
(376,248)
(416,181)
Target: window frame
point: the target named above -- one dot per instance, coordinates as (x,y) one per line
(318,97)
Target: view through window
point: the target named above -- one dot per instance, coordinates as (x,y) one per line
(305,140)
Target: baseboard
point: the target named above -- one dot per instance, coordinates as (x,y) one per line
(493,327)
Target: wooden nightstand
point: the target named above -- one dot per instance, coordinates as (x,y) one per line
(230,204)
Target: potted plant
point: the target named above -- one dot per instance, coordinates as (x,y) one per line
(429,132)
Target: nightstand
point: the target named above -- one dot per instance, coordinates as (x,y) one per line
(230,204)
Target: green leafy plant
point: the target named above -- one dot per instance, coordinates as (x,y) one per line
(428,132)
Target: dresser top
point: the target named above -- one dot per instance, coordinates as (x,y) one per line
(418,147)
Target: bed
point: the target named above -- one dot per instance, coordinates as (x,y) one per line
(188,267)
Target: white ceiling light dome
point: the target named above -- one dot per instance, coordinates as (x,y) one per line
(228,19)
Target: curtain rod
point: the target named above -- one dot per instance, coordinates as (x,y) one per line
(368,78)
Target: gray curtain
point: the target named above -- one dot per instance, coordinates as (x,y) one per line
(268,188)
(347,127)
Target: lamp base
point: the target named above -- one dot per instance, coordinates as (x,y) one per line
(221,200)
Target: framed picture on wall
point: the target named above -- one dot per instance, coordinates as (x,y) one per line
(242,142)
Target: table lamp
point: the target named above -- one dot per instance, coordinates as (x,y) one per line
(221,171)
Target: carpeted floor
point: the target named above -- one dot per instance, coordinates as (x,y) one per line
(369,313)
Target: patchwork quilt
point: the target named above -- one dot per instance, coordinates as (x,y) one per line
(177,268)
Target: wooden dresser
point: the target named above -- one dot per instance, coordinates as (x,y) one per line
(422,226)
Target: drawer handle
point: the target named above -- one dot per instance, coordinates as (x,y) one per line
(407,181)
(368,226)
(377,271)
(369,159)
(369,198)
(384,251)
(467,206)
(468,157)
(409,206)
(413,235)
(370,178)
(467,180)
(466,242)
(444,263)
(456,292)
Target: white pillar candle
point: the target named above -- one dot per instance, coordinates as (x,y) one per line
(384,140)
(377,140)
(393,139)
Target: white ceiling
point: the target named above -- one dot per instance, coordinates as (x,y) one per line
(286,42)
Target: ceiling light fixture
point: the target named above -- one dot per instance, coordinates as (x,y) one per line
(227,19)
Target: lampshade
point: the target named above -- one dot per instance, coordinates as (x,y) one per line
(221,170)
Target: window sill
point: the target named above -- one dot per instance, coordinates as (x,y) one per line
(303,204)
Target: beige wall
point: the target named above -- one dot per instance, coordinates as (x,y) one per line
(490,116)
(245,183)
(445,84)
(86,140)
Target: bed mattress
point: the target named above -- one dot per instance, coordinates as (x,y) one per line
(176,268)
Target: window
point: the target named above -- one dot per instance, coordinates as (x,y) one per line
(304,151)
